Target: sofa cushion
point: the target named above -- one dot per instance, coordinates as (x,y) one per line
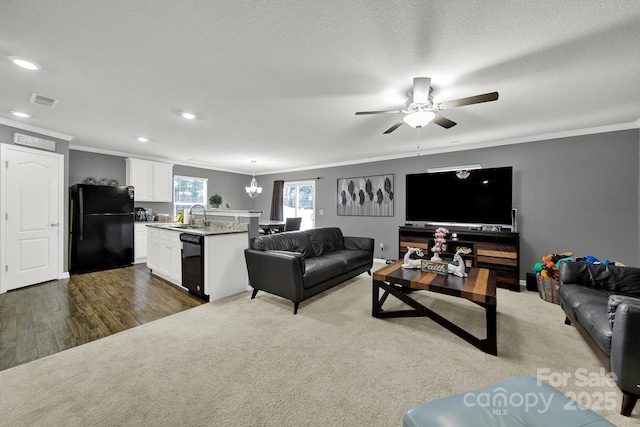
(292,241)
(623,280)
(320,269)
(330,265)
(594,319)
(325,240)
(575,295)
(578,273)
(353,258)
(619,280)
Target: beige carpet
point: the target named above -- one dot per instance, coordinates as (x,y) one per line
(242,362)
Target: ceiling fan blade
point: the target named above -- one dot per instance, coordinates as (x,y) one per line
(394,127)
(444,122)
(360,113)
(486,97)
(421,89)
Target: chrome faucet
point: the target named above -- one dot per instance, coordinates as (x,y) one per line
(203,208)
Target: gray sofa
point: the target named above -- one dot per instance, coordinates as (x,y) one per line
(603,303)
(297,265)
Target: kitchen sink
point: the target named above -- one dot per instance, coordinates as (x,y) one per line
(187,226)
(179,226)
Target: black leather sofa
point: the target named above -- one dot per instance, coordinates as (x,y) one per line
(603,303)
(297,265)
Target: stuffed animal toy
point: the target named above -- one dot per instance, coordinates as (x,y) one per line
(550,265)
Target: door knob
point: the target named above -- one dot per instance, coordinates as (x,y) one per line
(55,225)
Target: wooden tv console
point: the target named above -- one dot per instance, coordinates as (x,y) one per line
(496,250)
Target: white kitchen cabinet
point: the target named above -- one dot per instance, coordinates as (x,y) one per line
(152,181)
(140,241)
(162,182)
(225,270)
(153,248)
(164,254)
(175,259)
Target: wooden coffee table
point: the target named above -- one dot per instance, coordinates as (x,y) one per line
(479,287)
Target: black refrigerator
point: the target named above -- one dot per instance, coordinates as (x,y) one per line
(101,227)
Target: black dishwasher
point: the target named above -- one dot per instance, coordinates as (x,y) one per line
(193,264)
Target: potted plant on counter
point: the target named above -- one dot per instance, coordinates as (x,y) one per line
(215,201)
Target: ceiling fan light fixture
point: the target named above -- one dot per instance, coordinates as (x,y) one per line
(419,119)
(463,174)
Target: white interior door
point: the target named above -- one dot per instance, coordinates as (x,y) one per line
(32,213)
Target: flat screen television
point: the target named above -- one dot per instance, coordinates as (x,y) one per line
(484,197)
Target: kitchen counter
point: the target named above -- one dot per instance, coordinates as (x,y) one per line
(252,217)
(231,212)
(212,228)
(224,270)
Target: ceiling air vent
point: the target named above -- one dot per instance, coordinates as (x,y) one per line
(43,100)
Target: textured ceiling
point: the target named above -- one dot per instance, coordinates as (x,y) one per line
(279,81)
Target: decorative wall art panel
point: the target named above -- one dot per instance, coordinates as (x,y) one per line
(366,196)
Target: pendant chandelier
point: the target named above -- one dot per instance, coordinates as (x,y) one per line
(253,190)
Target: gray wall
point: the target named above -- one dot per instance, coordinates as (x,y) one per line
(575,194)
(83,164)
(62,147)
(229,185)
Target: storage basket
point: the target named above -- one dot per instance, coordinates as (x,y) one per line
(548,287)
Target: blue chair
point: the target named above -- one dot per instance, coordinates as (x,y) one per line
(520,401)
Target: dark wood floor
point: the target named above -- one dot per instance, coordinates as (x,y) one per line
(44,319)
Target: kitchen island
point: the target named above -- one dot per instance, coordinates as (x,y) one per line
(224,269)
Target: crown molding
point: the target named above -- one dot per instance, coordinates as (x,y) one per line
(35,129)
(153,159)
(436,150)
(477,145)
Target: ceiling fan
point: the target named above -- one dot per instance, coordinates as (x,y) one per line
(421,110)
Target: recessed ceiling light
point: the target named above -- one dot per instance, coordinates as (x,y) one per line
(143,139)
(25,63)
(189,116)
(21,114)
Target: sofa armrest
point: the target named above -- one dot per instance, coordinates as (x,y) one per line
(625,345)
(364,243)
(615,301)
(276,272)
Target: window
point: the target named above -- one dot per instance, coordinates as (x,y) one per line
(188,191)
(298,200)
